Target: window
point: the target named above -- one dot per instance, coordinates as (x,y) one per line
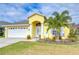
(62,31)
(54,32)
(11,28)
(46,32)
(24,27)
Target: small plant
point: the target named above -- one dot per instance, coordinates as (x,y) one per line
(28,37)
(54,38)
(39,36)
(72,35)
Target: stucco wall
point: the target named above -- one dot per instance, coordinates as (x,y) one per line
(46,34)
(66,31)
(49,34)
(36,18)
(33,20)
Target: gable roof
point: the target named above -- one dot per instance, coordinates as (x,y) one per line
(35,14)
(4,23)
(22,22)
(76,26)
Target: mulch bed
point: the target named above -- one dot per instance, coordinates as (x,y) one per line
(67,42)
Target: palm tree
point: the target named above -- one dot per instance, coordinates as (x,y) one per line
(50,22)
(51,25)
(73,35)
(59,20)
(62,20)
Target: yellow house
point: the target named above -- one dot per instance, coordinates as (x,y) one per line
(35,28)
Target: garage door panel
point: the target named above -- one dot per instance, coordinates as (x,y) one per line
(17,33)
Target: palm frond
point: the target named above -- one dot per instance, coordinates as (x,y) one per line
(56,14)
(65,13)
(45,19)
(67,18)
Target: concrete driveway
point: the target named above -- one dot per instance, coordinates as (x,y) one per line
(8,41)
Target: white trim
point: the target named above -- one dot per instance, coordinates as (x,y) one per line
(42,29)
(6,32)
(16,25)
(30,29)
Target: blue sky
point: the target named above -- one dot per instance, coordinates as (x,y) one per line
(18,12)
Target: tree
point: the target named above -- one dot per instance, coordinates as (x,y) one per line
(72,35)
(50,22)
(62,20)
(59,20)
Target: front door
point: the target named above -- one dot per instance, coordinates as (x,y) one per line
(38,30)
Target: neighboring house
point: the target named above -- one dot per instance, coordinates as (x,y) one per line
(2,28)
(34,27)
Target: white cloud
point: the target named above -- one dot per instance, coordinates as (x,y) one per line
(17,12)
(12,13)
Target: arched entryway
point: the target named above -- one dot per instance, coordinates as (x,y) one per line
(36,29)
(36,22)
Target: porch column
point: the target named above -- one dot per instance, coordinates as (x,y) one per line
(6,32)
(42,31)
(31,30)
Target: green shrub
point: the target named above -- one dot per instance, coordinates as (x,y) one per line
(54,38)
(72,35)
(28,37)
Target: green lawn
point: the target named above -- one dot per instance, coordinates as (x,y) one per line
(22,48)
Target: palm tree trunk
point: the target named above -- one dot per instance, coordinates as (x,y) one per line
(58,39)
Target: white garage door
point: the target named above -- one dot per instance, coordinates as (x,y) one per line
(17,33)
